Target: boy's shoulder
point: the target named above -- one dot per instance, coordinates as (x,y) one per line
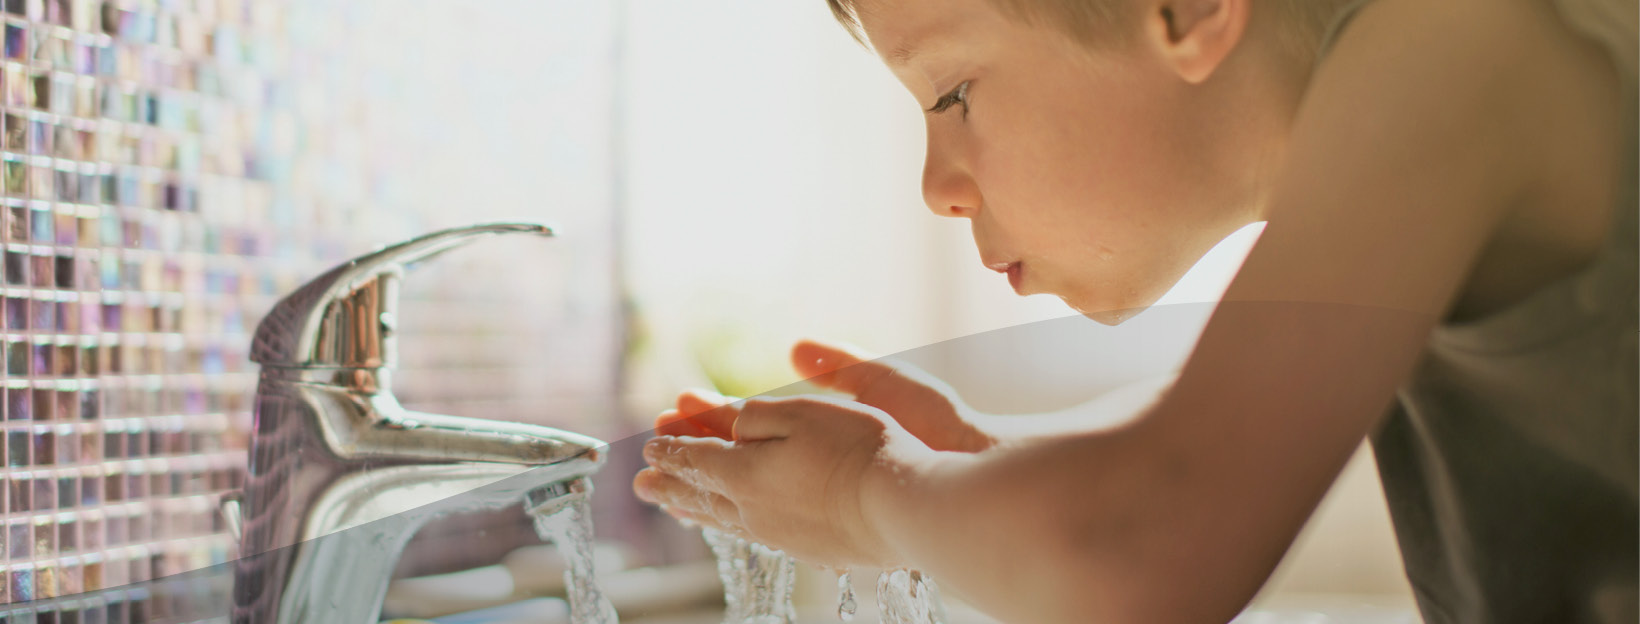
(1505,85)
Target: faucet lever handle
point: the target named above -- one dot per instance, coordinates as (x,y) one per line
(345,317)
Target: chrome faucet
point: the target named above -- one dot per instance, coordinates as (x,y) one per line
(340,475)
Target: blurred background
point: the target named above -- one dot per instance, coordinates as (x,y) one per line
(729,176)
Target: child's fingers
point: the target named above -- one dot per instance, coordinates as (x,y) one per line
(673,423)
(713,412)
(846,369)
(703,462)
(816,361)
(684,501)
(695,400)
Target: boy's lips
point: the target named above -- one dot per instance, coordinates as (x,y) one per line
(1014,270)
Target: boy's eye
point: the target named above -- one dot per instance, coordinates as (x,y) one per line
(956,96)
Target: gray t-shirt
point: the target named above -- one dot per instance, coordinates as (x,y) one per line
(1509,460)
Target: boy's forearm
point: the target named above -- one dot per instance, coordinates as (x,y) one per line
(1007,531)
(989,527)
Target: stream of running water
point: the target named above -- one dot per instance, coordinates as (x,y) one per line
(570,528)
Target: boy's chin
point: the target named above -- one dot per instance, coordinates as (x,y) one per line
(1106,313)
(1112,317)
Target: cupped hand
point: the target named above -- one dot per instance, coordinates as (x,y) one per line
(793,478)
(920,402)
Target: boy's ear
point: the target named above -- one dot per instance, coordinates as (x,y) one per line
(1196,36)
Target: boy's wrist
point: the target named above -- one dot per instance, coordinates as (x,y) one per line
(893,501)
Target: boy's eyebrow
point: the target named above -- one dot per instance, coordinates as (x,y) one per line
(902,54)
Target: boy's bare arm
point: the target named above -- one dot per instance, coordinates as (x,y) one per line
(1413,145)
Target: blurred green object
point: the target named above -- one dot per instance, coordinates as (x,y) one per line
(740,361)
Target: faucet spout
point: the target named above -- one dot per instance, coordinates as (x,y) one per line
(436,437)
(360,419)
(341,475)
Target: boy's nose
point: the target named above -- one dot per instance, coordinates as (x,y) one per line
(949,190)
(950,195)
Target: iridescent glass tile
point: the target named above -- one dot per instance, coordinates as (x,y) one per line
(68,497)
(112,314)
(69,581)
(91,495)
(17,274)
(109,269)
(16,41)
(44,227)
(16,311)
(62,317)
(45,500)
(59,12)
(140,525)
(16,132)
(93,533)
(20,498)
(22,584)
(67,407)
(90,187)
(45,454)
(114,492)
(40,137)
(64,268)
(89,230)
(45,575)
(91,450)
(107,59)
(16,175)
(17,456)
(18,88)
(39,95)
(85,58)
(42,312)
(40,184)
(41,357)
(62,93)
(18,360)
(67,230)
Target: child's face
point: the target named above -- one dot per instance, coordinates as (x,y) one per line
(1098,176)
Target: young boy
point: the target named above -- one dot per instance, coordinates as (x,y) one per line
(1449,190)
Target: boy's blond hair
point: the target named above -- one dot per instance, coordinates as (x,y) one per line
(1097,23)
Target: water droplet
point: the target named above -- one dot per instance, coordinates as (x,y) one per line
(909,597)
(846,604)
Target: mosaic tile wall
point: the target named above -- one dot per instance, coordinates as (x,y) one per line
(172,167)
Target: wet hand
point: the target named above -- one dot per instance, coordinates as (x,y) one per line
(792,479)
(919,402)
